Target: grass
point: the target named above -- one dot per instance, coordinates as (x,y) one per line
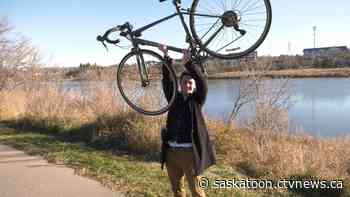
(120,148)
(290,73)
(133,175)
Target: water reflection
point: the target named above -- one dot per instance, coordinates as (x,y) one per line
(321,106)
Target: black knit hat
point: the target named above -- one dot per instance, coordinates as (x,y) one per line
(185,73)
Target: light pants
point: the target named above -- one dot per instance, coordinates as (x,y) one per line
(180,162)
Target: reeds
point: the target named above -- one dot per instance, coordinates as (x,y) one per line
(101,117)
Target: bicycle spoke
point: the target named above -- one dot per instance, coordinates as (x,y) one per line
(215,41)
(149,98)
(248,5)
(161,95)
(219,38)
(242,26)
(229,44)
(251,25)
(208,3)
(221,4)
(253,14)
(203,30)
(244,4)
(213,36)
(253,8)
(204,24)
(237,3)
(247,20)
(222,41)
(207,15)
(207,10)
(134,95)
(211,28)
(250,35)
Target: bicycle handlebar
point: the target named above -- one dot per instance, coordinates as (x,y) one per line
(122,28)
(105,36)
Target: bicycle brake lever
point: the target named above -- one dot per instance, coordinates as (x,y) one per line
(105,46)
(102,39)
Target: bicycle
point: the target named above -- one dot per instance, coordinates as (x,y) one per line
(238,17)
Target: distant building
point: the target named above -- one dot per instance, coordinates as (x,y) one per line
(250,57)
(325,51)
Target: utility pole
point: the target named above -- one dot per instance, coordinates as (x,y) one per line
(314,28)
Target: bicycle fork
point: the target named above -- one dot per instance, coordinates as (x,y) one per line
(142,68)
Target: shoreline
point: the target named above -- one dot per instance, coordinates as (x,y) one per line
(288,73)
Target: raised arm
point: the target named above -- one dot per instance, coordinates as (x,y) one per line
(168,86)
(201,92)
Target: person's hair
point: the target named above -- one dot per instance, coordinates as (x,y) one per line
(184,74)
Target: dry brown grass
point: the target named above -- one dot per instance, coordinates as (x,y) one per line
(257,151)
(100,117)
(44,103)
(290,73)
(264,153)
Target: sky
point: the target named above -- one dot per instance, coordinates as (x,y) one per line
(65,30)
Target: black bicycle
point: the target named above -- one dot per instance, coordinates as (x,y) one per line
(225,29)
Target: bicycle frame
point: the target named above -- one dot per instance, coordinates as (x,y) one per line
(137,33)
(200,42)
(136,41)
(189,38)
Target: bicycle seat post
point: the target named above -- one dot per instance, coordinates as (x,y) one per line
(177,4)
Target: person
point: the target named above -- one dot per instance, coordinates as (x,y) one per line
(186,147)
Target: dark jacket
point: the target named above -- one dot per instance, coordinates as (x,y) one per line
(203,151)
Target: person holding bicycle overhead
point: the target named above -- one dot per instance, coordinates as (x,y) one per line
(224,30)
(186,147)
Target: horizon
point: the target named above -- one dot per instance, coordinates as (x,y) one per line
(65,32)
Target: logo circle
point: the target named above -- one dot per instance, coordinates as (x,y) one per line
(203,183)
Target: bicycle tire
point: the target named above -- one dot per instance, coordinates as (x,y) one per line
(123,90)
(233,55)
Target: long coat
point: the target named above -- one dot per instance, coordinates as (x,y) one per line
(203,151)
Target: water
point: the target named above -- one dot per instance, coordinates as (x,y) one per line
(320,107)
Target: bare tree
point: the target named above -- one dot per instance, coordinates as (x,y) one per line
(270,98)
(17,55)
(249,85)
(245,96)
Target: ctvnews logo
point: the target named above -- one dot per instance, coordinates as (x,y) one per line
(205,183)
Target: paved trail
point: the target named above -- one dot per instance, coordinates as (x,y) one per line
(22,175)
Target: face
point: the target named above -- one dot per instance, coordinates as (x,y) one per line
(188,85)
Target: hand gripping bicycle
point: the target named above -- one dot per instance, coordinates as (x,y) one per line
(225,29)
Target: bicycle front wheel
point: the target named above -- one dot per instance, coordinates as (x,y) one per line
(145,93)
(230,29)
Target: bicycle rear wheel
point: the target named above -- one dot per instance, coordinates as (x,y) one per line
(230,29)
(146,98)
